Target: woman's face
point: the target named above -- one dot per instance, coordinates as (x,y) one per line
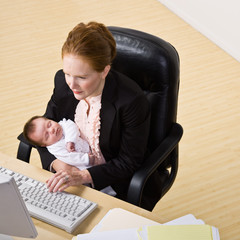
(81,78)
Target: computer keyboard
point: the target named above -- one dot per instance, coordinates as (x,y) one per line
(61,209)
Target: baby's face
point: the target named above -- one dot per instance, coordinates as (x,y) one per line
(47,132)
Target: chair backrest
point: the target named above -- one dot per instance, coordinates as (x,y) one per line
(154,64)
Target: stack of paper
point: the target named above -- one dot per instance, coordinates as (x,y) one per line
(180,232)
(120,224)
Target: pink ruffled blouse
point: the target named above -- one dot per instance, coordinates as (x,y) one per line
(87,118)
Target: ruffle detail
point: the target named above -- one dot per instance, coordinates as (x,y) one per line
(87,117)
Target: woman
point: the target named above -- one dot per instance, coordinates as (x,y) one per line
(112,112)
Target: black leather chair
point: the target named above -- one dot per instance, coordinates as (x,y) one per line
(154,64)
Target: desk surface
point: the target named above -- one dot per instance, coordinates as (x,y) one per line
(207,184)
(105,202)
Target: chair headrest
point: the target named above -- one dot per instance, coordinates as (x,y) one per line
(149,60)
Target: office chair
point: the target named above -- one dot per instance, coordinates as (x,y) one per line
(154,64)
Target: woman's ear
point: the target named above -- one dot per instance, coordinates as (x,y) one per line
(106,71)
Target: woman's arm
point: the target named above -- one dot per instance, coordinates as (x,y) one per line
(59,165)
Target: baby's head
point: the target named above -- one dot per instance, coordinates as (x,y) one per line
(41,131)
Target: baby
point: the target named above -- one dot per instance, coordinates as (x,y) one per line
(61,139)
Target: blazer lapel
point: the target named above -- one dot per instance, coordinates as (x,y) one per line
(108,111)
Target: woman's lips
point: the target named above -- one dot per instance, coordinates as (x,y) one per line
(76,92)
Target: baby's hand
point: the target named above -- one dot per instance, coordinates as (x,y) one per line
(70,146)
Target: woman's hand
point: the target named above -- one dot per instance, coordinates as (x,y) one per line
(64,179)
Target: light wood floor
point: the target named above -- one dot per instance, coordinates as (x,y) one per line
(207,185)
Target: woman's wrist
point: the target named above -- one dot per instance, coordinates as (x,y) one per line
(55,165)
(85,176)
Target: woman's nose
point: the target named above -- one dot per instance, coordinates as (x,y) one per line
(72,83)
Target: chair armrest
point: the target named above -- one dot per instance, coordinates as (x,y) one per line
(151,164)
(24,149)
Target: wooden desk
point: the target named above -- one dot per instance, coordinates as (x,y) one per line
(105,202)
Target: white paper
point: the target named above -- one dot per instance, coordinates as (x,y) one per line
(118,218)
(124,234)
(185,220)
(119,224)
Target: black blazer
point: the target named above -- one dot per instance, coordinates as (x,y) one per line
(125,119)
